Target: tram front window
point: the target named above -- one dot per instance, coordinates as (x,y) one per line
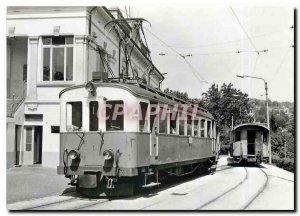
(93,115)
(74,116)
(114,115)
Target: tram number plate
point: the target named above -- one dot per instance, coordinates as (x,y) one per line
(251,159)
(87,181)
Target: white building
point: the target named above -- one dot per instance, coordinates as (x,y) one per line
(50,48)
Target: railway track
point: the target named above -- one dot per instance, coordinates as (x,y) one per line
(224,200)
(241,195)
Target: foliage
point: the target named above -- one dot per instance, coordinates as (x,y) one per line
(179,94)
(279,140)
(278,120)
(227,102)
(287,164)
(224,104)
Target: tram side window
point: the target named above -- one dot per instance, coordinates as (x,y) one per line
(202,128)
(143,118)
(152,117)
(163,120)
(208,128)
(114,115)
(237,136)
(189,125)
(94,115)
(181,126)
(74,116)
(265,135)
(173,119)
(196,122)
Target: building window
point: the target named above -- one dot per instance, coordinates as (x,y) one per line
(55,129)
(74,116)
(94,115)
(114,115)
(28,138)
(58,58)
(25,72)
(143,117)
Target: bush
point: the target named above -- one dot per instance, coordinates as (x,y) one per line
(280,162)
(224,149)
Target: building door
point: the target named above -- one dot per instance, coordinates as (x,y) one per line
(18,134)
(251,142)
(38,135)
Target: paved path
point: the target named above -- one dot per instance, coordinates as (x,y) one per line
(229,188)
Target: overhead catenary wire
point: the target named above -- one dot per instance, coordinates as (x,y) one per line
(225,52)
(242,27)
(280,64)
(193,70)
(220,43)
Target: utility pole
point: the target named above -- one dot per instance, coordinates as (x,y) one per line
(268,120)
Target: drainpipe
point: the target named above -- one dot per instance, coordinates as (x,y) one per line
(88,39)
(120,44)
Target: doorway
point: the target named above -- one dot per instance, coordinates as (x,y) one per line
(251,142)
(38,137)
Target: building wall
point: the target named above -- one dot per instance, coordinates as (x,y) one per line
(43,96)
(16,59)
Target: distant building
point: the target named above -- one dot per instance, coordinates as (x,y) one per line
(50,48)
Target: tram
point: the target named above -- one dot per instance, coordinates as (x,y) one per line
(117,138)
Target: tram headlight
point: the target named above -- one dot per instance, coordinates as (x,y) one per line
(74,154)
(91,88)
(108,154)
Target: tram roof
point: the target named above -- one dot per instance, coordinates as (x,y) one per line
(145,91)
(251,125)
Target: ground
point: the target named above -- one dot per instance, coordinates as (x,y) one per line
(229,188)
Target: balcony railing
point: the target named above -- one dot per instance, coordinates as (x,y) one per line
(14,102)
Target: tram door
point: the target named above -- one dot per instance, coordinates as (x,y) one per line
(251,142)
(37,158)
(153,135)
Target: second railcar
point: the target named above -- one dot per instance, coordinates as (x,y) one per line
(249,143)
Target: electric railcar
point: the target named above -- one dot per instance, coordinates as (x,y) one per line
(109,147)
(249,143)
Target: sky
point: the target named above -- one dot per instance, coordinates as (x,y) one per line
(212,36)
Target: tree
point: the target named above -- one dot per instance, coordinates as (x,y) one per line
(225,103)
(179,94)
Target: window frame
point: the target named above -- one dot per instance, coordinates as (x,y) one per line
(106,119)
(51,47)
(97,112)
(82,116)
